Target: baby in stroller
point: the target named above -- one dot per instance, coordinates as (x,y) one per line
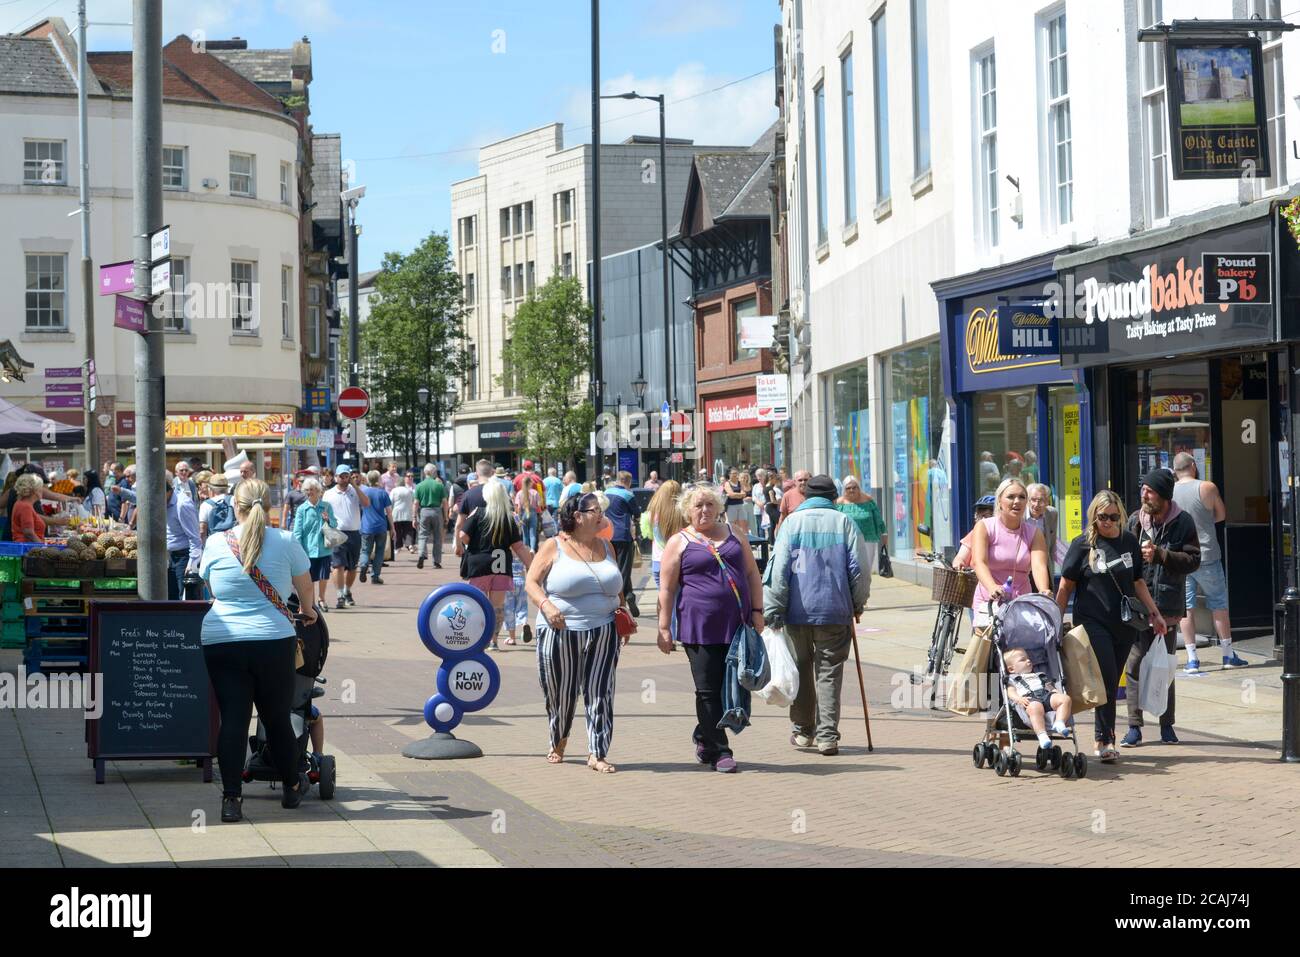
(1036,696)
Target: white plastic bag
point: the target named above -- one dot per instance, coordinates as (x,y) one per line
(781,691)
(1155,674)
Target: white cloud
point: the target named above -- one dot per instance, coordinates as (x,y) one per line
(734,116)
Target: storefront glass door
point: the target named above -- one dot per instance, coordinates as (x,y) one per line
(1247,463)
(1171,409)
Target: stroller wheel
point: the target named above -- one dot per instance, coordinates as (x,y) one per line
(1040,759)
(328,774)
(1000,763)
(977,755)
(1015,763)
(1054,757)
(1067,767)
(1080,765)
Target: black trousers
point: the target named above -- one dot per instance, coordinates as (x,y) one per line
(623,552)
(1111,644)
(245,673)
(709,671)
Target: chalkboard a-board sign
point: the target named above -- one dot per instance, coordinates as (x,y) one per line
(157,701)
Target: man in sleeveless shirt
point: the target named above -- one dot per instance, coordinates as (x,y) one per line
(1202,501)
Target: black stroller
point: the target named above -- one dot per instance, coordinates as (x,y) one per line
(303,714)
(1031,622)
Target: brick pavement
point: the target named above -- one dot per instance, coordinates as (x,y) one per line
(916,801)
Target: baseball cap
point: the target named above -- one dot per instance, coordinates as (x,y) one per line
(343,470)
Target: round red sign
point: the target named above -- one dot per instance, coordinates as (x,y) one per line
(354,402)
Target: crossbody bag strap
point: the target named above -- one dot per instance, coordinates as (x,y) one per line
(725,570)
(261,581)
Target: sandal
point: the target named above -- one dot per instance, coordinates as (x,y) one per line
(556,754)
(600,764)
(510,641)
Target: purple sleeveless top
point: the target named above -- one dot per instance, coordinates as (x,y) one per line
(707,612)
(1008,557)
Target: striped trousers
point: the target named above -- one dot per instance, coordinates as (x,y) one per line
(568,660)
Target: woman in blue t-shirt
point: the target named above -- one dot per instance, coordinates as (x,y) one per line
(249,640)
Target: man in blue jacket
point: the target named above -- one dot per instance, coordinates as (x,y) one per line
(625,515)
(815,586)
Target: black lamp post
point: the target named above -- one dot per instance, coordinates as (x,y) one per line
(638,389)
(423,393)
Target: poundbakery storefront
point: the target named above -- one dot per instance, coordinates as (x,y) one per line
(1017,412)
(1176,334)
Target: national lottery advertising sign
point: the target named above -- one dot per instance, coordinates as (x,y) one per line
(456,623)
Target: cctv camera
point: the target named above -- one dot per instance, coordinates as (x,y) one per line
(356,192)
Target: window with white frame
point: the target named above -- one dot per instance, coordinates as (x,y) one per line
(819,118)
(920,89)
(242,178)
(507,292)
(1274,92)
(465,230)
(880,98)
(286,183)
(847,133)
(531,277)
(243,277)
(179,306)
(44,162)
(314,297)
(471,378)
(986,146)
(46,291)
(519,281)
(1155,119)
(173,168)
(471,289)
(528,216)
(1060,163)
(564,207)
(286,302)
(566,267)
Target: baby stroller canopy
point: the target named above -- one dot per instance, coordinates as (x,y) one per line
(1031,622)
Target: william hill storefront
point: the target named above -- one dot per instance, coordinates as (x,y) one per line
(1017,411)
(1176,333)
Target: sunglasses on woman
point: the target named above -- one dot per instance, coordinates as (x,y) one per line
(1108,518)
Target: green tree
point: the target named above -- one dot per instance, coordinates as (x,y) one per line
(413,339)
(547,358)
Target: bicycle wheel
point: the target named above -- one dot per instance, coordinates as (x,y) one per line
(954,630)
(935,655)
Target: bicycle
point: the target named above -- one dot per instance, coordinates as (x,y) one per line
(954,589)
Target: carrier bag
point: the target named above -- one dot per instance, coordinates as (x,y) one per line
(965,697)
(783,686)
(1155,675)
(1082,673)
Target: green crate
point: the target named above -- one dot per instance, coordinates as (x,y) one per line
(9,591)
(56,584)
(13,634)
(12,611)
(115,584)
(11,568)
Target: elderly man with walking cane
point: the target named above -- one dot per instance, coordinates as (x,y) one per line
(815,586)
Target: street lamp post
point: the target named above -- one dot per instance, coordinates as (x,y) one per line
(663,226)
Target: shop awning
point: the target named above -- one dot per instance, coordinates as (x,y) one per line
(22,428)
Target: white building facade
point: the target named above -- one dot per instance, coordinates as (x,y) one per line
(230,197)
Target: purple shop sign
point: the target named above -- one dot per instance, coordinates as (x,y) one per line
(129,313)
(51,387)
(63,401)
(64,372)
(116,277)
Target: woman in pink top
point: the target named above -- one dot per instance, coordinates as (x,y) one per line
(1007,546)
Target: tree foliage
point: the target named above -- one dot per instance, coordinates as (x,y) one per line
(547,356)
(413,338)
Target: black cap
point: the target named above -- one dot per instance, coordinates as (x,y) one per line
(1160,481)
(821,486)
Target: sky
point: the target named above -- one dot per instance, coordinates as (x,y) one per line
(414,88)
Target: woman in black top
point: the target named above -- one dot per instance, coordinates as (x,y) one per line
(1102,564)
(489,536)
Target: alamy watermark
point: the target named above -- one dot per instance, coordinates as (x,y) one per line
(38,691)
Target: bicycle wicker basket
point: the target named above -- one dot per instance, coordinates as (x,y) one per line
(952,587)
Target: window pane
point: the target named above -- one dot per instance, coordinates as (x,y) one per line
(819,96)
(920,88)
(850,160)
(879,56)
(743,310)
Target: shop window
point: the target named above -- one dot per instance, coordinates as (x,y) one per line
(919,468)
(849,423)
(1170,407)
(1006,438)
(741,311)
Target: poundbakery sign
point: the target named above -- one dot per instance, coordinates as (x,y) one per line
(1210,292)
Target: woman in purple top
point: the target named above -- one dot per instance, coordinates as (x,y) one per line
(711,602)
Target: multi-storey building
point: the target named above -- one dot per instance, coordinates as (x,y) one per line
(231,155)
(867,225)
(525,217)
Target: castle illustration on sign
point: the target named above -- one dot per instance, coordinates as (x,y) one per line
(1219,85)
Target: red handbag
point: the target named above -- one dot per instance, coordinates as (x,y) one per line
(624,623)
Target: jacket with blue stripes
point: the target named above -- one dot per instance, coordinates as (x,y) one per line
(818,572)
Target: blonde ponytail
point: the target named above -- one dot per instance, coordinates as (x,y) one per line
(250,505)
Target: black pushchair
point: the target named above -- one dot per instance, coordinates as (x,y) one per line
(302,715)
(1032,622)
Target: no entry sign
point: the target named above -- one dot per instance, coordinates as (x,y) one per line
(354,402)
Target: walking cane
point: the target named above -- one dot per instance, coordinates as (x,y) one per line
(862,688)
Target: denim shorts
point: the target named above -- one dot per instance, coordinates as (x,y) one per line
(1213,585)
(348,554)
